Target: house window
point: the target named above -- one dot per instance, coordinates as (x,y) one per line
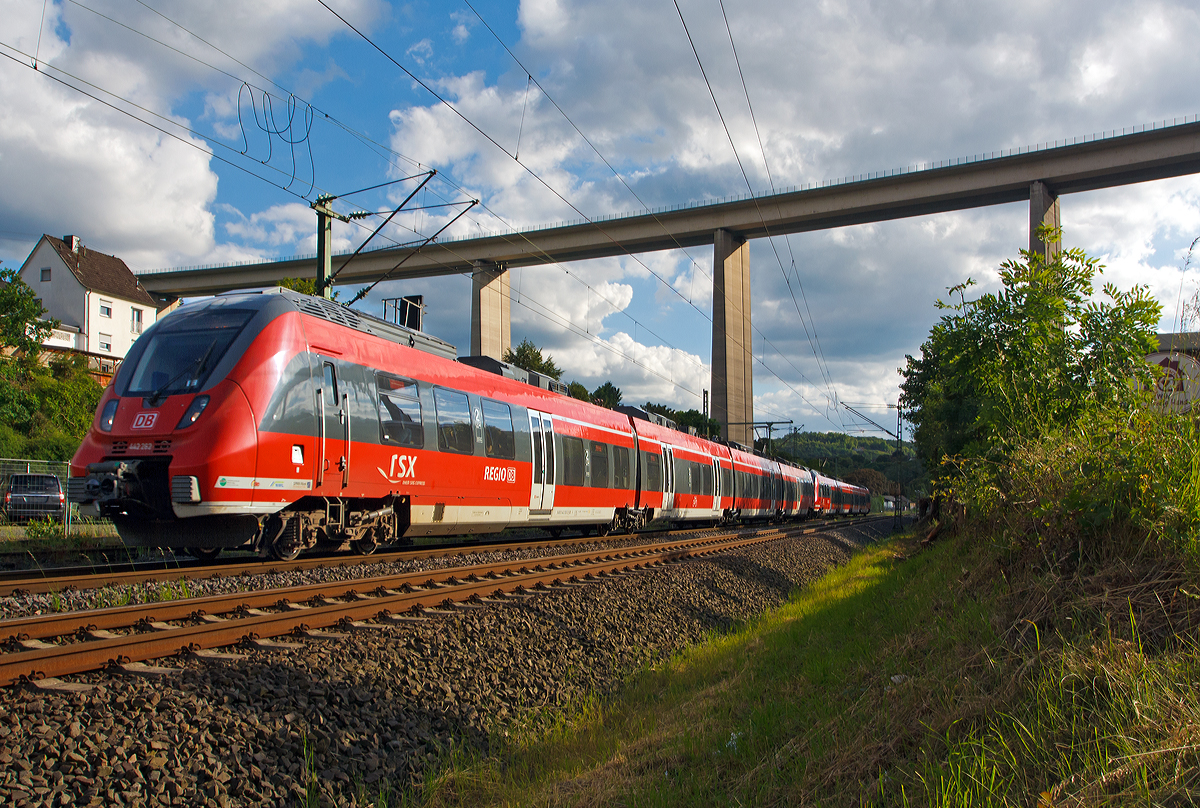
(106,308)
(135,324)
(106,342)
(45,274)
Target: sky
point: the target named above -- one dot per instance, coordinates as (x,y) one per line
(179,133)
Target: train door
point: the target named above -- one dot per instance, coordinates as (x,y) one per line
(668,479)
(333,433)
(541,431)
(716,484)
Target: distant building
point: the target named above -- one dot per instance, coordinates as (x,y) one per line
(99,303)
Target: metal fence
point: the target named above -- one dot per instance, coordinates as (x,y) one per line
(67,518)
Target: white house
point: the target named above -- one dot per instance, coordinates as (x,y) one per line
(100,304)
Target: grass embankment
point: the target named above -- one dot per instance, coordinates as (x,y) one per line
(909,676)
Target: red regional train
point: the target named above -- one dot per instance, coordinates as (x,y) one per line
(282,422)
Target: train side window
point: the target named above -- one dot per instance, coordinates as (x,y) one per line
(330,386)
(620,456)
(572,452)
(399,412)
(599,465)
(706,479)
(453,421)
(726,482)
(498,430)
(653,471)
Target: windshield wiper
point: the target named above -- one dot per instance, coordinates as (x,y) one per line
(196,367)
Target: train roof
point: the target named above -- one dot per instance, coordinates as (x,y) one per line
(337,313)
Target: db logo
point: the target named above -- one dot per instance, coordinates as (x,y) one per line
(144,420)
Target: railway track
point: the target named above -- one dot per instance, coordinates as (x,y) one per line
(124,638)
(125,573)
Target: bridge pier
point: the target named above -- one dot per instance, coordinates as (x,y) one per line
(1043,210)
(491,323)
(732,359)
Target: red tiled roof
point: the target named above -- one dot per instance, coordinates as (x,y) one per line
(102,273)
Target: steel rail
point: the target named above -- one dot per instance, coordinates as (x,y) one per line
(60,660)
(10,584)
(124,574)
(64,623)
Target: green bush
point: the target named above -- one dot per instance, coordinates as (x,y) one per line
(1030,360)
(1115,481)
(46,528)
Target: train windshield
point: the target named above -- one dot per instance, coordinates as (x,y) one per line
(183,351)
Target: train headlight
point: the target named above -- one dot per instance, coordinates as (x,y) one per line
(108,414)
(193,412)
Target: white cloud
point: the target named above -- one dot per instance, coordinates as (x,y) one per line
(463,23)
(838,88)
(420,51)
(86,168)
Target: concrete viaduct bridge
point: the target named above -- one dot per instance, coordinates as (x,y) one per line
(1039,175)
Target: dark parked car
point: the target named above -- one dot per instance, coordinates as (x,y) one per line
(32,496)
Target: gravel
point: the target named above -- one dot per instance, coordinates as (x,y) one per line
(371,711)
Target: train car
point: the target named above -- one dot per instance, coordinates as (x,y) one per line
(860,499)
(798,487)
(685,478)
(756,483)
(282,422)
(825,487)
(848,499)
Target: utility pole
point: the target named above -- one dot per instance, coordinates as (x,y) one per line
(897,521)
(325,217)
(899,454)
(770,425)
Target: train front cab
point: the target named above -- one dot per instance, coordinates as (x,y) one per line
(151,458)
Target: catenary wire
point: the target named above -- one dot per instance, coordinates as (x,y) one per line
(732,145)
(621,179)
(349,130)
(819,352)
(362,138)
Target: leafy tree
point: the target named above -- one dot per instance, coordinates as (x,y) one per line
(45,412)
(875,480)
(529,356)
(21,326)
(578,391)
(305,286)
(607,395)
(1035,356)
(705,427)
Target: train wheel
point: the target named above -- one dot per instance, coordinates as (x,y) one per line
(204,553)
(366,545)
(286,546)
